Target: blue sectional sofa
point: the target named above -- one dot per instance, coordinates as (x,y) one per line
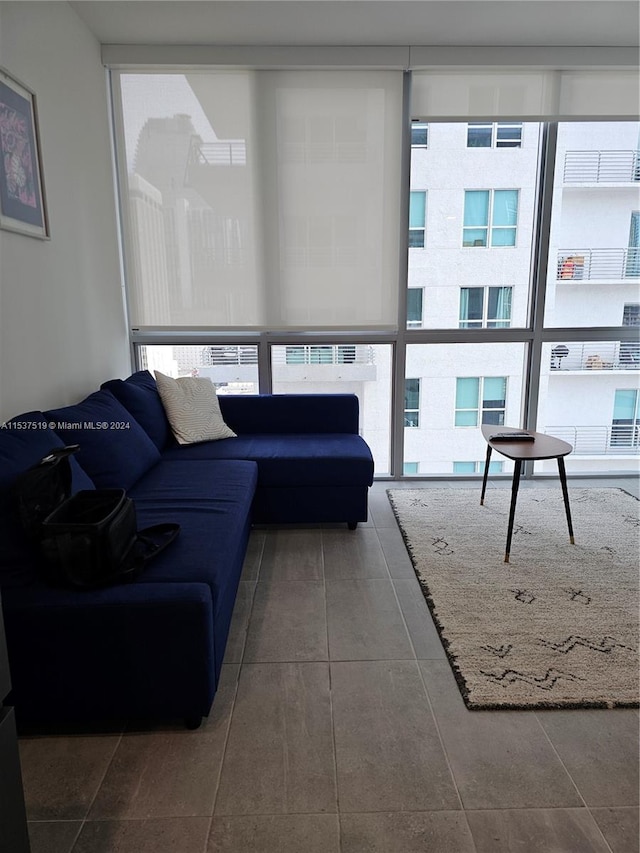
(153,648)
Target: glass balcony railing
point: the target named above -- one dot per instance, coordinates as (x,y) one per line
(612,167)
(589,264)
(621,440)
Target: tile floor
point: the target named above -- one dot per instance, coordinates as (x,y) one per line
(338,727)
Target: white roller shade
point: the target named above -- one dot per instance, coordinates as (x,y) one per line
(263,199)
(516,94)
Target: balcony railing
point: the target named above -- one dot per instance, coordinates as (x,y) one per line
(600,440)
(605,355)
(585,264)
(590,167)
(229,355)
(232,153)
(323,354)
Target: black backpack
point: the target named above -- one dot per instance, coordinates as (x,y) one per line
(89,539)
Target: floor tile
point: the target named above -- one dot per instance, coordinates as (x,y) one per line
(310,833)
(364,621)
(388,753)
(239,622)
(600,750)
(424,634)
(159,835)
(53,836)
(350,554)
(292,555)
(279,756)
(395,553)
(500,759)
(288,622)
(621,827)
(251,565)
(380,510)
(406,832)
(160,774)
(61,775)
(536,831)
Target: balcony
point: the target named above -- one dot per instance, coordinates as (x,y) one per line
(595,167)
(600,264)
(323,362)
(600,356)
(231,153)
(614,440)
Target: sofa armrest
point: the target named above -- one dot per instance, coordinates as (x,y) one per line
(125,651)
(291,413)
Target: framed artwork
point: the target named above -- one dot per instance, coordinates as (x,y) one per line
(22,201)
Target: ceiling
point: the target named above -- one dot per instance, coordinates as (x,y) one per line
(363,22)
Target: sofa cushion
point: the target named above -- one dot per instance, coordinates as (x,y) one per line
(192,407)
(24,440)
(114,449)
(292,460)
(139,395)
(212,503)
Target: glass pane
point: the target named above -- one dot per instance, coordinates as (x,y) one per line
(414,306)
(417,209)
(503,237)
(363,369)
(452,174)
(594,267)
(419,133)
(464,467)
(471,304)
(505,207)
(416,238)
(479,136)
(588,397)
(476,207)
(467,393)
(509,136)
(411,393)
(233,368)
(474,237)
(494,392)
(450,431)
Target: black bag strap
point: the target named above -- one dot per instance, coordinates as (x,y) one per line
(150,541)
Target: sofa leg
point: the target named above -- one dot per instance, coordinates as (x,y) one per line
(352,525)
(193,722)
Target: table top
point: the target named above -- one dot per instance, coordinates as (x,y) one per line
(543,446)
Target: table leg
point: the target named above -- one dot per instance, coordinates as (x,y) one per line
(486,472)
(565,495)
(512,511)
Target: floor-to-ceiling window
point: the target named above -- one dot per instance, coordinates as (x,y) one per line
(265,242)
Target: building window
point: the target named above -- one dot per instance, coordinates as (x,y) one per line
(410,468)
(480,399)
(631,314)
(494,134)
(414,307)
(625,425)
(419,134)
(477,467)
(412,402)
(417,210)
(632,268)
(485,307)
(490,215)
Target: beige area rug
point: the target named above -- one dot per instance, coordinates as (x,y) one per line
(558,625)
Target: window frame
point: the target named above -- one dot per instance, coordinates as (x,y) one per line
(418,230)
(494,129)
(491,229)
(486,322)
(410,409)
(480,408)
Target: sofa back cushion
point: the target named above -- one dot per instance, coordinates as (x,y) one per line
(139,395)
(114,449)
(24,440)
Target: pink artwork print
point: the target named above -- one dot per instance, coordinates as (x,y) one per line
(17,155)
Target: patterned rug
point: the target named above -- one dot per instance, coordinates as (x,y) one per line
(557,626)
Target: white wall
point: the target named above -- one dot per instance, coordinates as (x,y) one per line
(62,326)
